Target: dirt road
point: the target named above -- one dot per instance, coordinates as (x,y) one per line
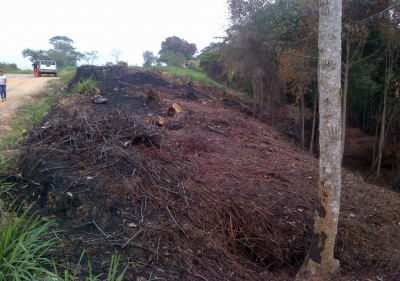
(21,90)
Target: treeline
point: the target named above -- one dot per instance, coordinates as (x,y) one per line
(9,67)
(64,53)
(271,52)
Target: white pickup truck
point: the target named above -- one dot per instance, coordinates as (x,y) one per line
(48,67)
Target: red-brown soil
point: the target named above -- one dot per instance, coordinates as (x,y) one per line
(209,193)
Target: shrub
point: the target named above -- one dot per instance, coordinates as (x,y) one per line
(195,66)
(86,86)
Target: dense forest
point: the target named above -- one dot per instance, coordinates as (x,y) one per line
(271,53)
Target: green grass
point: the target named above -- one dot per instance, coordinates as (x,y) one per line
(189,73)
(24,243)
(86,86)
(32,115)
(66,73)
(11,68)
(75,273)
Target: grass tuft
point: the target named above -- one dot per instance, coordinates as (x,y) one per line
(74,273)
(24,243)
(86,86)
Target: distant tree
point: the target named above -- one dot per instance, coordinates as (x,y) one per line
(213,47)
(34,55)
(90,57)
(63,52)
(177,45)
(211,62)
(149,58)
(171,58)
(115,54)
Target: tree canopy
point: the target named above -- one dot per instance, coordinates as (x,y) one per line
(177,45)
(149,58)
(63,52)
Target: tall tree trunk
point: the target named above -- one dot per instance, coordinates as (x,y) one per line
(344,93)
(254,95)
(302,118)
(388,76)
(374,157)
(315,98)
(261,99)
(320,263)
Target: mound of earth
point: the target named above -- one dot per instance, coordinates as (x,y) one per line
(185,184)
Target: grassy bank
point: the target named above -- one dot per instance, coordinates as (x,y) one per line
(189,73)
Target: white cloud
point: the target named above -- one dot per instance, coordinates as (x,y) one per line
(132,26)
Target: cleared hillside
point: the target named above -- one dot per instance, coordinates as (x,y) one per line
(186,184)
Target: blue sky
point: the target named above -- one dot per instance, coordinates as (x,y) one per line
(131,26)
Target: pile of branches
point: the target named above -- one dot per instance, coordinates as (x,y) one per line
(166,203)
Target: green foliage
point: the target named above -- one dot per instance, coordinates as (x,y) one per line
(211,62)
(30,117)
(213,47)
(363,89)
(66,73)
(172,58)
(86,85)
(34,55)
(63,52)
(12,68)
(33,114)
(287,17)
(240,83)
(191,74)
(9,67)
(24,242)
(149,58)
(177,45)
(112,273)
(195,66)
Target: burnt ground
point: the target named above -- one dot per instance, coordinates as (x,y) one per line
(181,180)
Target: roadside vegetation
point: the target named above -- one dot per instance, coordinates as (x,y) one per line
(11,68)
(192,74)
(86,86)
(28,118)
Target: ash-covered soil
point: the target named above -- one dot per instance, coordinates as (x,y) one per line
(182,180)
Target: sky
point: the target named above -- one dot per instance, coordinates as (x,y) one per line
(130,26)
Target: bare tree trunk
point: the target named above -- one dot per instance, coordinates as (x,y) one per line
(344,93)
(302,118)
(315,96)
(374,158)
(320,263)
(261,99)
(254,95)
(388,76)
